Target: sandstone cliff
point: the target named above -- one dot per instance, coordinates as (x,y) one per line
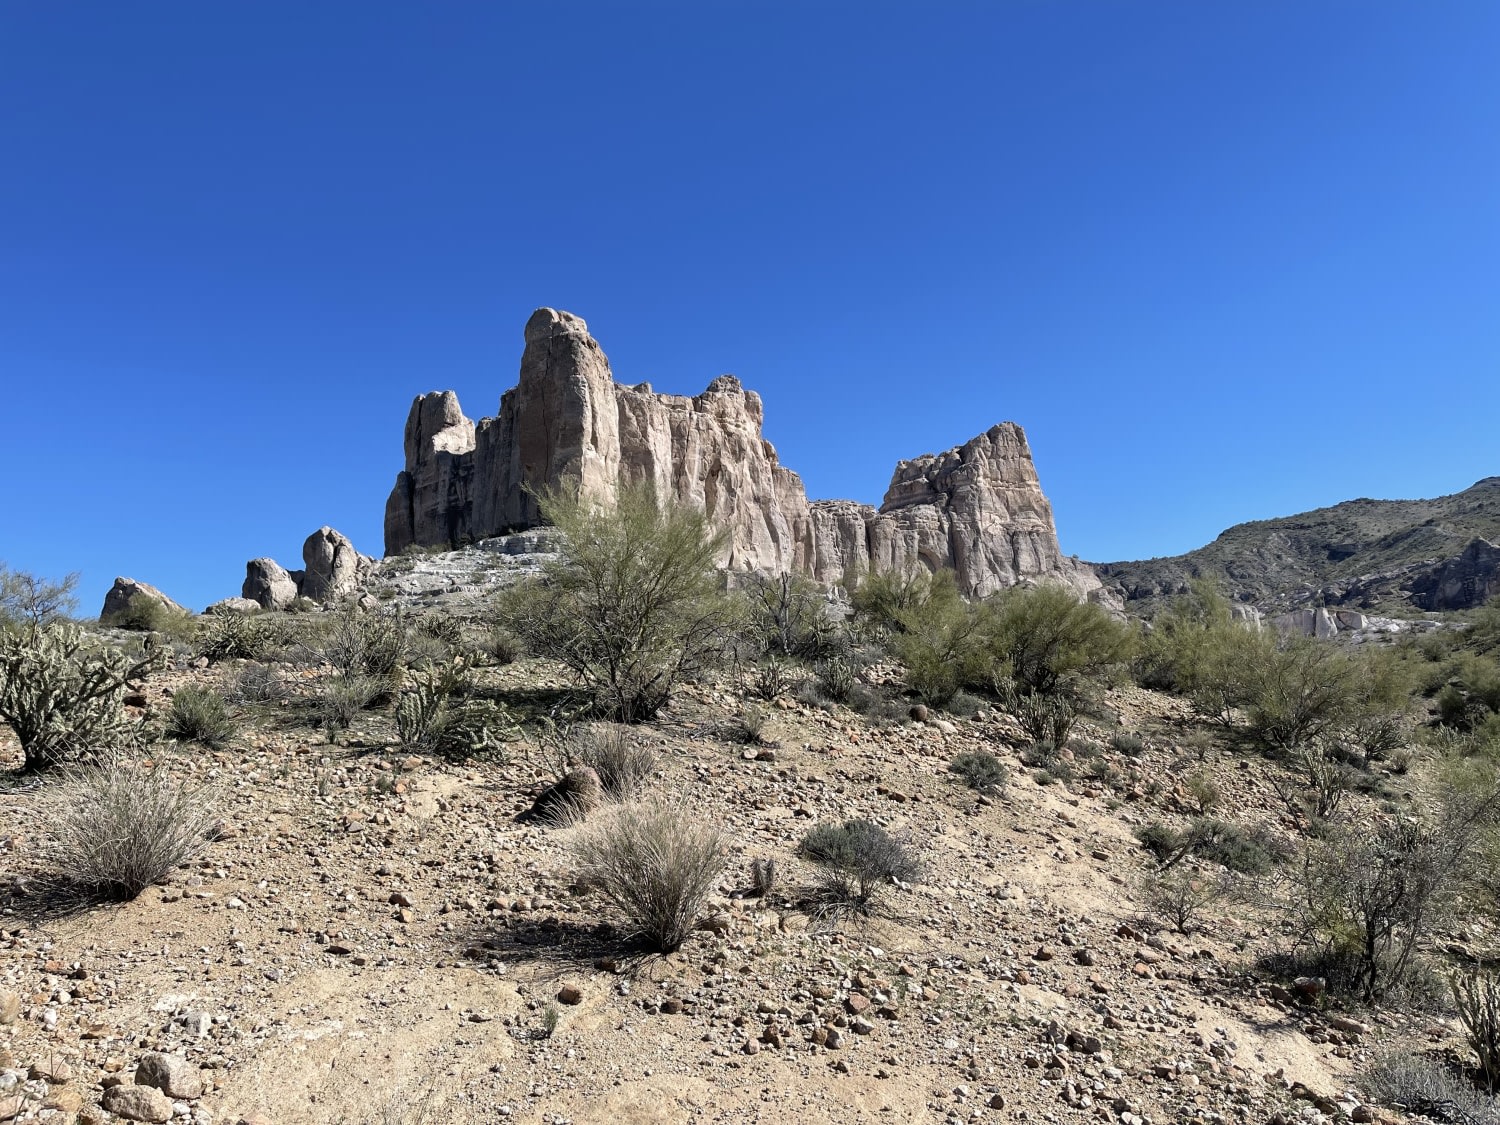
(978,509)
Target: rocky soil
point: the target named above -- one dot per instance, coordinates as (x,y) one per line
(376,937)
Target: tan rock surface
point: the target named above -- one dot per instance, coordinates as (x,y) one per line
(978,508)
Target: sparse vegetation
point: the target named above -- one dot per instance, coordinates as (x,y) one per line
(655,863)
(199,714)
(980,770)
(116,825)
(858,859)
(632,606)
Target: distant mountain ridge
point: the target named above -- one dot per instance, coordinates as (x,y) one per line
(1382,555)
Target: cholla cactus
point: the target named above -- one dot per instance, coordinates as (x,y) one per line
(63,696)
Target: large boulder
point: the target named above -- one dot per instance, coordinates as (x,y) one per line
(269,584)
(124,594)
(977,508)
(334,567)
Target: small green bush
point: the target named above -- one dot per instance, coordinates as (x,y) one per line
(344,697)
(199,714)
(979,770)
(147,615)
(858,858)
(366,644)
(235,636)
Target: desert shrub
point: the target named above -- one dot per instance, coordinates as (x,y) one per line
(884,601)
(789,615)
(858,858)
(1045,637)
(257,683)
(342,697)
(979,769)
(632,605)
(1044,717)
(963,705)
(836,678)
(751,724)
(235,636)
(115,826)
(1476,995)
(1164,842)
(769,679)
(1424,1087)
(1470,693)
(614,752)
(501,645)
(1371,895)
(61,695)
(940,645)
(1204,793)
(144,614)
(199,714)
(365,644)
(442,627)
(1126,742)
(1179,897)
(1247,853)
(30,603)
(655,863)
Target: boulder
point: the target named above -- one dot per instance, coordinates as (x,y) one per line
(334,567)
(125,591)
(138,1103)
(1465,581)
(268,584)
(173,1075)
(977,508)
(234,605)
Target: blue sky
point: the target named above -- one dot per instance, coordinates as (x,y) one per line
(1222,260)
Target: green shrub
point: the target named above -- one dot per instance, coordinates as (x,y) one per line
(258,683)
(343,697)
(1179,897)
(1164,842)
(1425,1087)
(770,680)
(366,644)
(199,714)
(789,615)
(1046,638)
(235,636)
(1126,742)
(62,695)
(979,770)
(29,603)
(115,826)
(632,605)
(1045,718)
(1476,995)
(144,614)
(656,864)
(858,858)
(1246,853)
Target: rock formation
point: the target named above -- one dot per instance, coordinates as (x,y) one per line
(978,509)
(1462,582)
(333,569)
(124,593)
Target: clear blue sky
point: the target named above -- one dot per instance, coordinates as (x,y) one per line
(1221,260)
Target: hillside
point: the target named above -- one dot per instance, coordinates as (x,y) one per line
(1385,555)
(378,935)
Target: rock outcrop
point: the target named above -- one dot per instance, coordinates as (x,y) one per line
(333,570)
(124,593)
(978,508)
(268,583)
(1463,582)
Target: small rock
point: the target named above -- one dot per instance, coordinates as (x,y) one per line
(997,1101)
(138,1103)
(570,994)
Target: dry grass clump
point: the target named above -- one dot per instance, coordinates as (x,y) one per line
(655,863)
(612,751)
(116,825)
(858,858)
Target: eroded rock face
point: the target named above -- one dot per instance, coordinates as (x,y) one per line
(1466,581)
(978,508)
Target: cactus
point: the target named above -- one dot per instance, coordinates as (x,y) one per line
(64,697)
